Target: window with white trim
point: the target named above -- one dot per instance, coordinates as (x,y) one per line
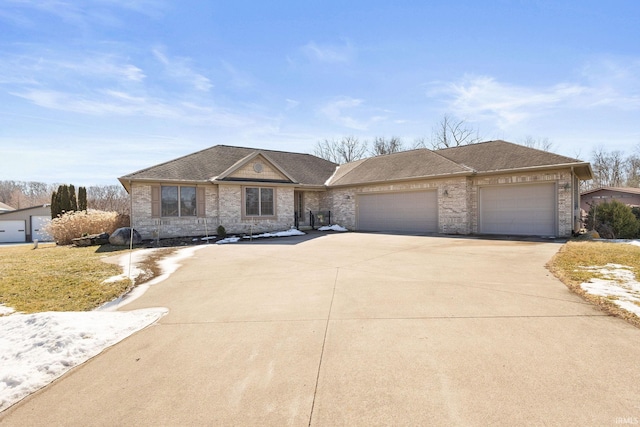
(259,201)
(178,201)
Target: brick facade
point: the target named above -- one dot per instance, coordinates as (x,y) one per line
(457,205)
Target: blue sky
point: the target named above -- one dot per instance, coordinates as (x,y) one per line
(94,89)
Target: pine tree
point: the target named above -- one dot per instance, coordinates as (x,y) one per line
(82,199)
(65,202)
(55,205)
(73,200)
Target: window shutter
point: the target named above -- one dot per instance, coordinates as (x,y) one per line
(201,209)
(155,201)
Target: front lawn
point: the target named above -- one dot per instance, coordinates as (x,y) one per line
(57,278)
(582,262)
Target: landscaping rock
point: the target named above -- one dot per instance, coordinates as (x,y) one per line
(92,240)
(122,237)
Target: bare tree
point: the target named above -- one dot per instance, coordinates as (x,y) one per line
(453,132)
(608,168)
(345,150)
(539,143)
(633,169)
(21,194)
(109,198)
(381,145)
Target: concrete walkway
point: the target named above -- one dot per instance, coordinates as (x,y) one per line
(358,329)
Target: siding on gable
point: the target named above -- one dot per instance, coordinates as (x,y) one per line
(268,171)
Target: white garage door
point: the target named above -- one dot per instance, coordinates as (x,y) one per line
(38,223)
(409,212)
(528,210)
(12,231)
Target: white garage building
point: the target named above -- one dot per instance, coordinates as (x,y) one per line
(25,225)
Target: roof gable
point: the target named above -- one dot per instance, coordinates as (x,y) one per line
(255,167)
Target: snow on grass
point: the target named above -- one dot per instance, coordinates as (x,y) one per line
(334,227)
(167,265)
(4,310)
(618,284)
(634,242)
(37,348)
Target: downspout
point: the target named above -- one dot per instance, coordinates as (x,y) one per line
(573,201)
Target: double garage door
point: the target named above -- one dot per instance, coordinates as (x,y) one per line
(528,210)
(518,209)
(407,212)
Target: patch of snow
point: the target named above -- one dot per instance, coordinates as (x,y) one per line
(37,348)
(232,239)
(619,282)
(4,310)
(634,242)
(334,227)
(167,265)
(287,233)
(209,238)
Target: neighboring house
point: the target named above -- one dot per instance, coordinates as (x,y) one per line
(494,187)
(25,225)
(628,195)
(5,208)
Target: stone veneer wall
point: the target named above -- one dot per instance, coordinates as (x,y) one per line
(152,228)
(452,210)
(562,178)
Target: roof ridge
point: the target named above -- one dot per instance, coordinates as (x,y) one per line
(462,165)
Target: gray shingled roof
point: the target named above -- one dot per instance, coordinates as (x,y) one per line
(421,163)
(306,169)
(212,162)
(501,155)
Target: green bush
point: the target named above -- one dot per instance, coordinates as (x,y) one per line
(222,233)
(615,216)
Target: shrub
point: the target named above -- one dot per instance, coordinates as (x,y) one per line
(77,224)
(222,233)
(615,216)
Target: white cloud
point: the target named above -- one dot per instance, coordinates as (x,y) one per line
(37,68)
(329,53)
(119,103)
(335,111)
(508,105)
(179,69)
(291,103)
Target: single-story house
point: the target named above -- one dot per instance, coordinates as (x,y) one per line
(493,187)
(628,195)
(25,225)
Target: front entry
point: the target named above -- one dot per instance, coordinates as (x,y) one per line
(300,217)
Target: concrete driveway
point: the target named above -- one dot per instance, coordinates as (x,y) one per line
(358,329)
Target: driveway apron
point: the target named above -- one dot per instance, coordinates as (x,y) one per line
(358,329)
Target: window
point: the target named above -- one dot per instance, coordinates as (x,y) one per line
(258,201)
(178,201)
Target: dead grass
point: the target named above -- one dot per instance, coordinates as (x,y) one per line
(568,265)
(57,278)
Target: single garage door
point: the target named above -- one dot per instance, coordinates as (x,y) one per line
(12,231)
(528,210)
(38,224)
(409,212)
